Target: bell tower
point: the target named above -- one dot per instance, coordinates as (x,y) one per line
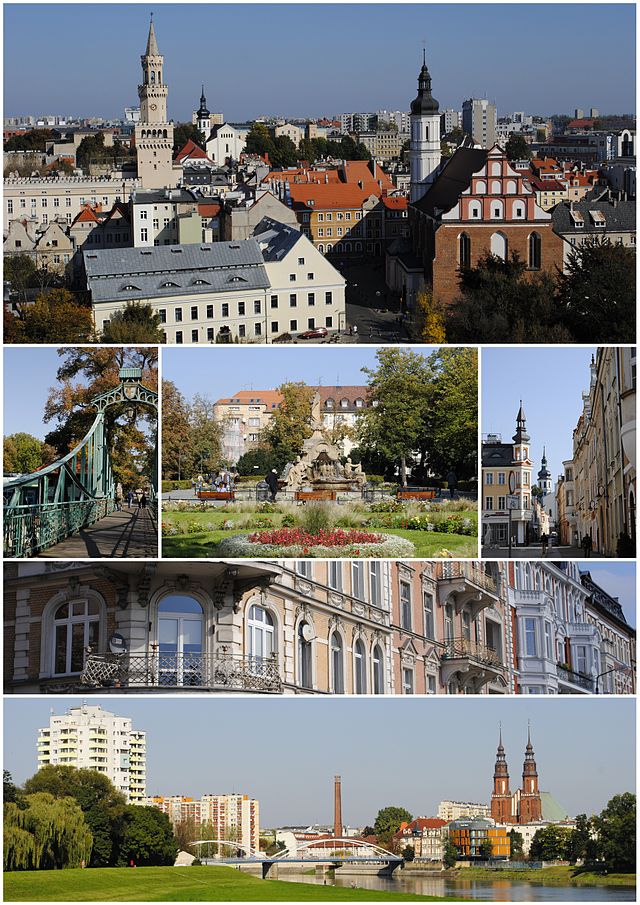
(154,135)
(501,795)
(203,116)
(530,801)
(424,153)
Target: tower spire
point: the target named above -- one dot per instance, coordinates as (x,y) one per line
(152,44)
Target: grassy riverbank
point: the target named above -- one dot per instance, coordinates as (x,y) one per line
(177,884)
(558,876)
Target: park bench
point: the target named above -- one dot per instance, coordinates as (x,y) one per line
(305,496)
(416,495)
(223,495)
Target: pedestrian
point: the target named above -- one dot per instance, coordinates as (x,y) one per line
(544,538)
(130,499)
(355,329)
(272,482)
(586,545)
(143,501)
(452,480)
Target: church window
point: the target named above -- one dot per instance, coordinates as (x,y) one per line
(496,187)
(464,251)
(535,251)
(481,187)
(426,132)
(499,245)
(495,169)
(512,188)
(497,210)
(475,210)
(518,210)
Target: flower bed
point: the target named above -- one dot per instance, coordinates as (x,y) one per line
(297,543)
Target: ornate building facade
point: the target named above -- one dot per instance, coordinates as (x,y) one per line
(506,472)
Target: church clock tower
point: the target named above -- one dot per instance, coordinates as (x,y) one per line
(530,801)
(501,795)
(154,135)
(424,152)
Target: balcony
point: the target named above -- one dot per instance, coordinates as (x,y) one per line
(466,585)
(471,664)
(222,671)
(576,680)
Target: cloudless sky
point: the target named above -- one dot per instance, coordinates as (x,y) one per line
(29,374)
(619,580)
(550,381)
(312,59)
(221,371)
(408,752)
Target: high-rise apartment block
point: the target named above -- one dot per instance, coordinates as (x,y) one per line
(88,737)
(479,119)
(226,818)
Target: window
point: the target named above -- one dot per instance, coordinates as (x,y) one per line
(225,309)
(407,680)
(530,643)
(274,301)
(194,336)
(320,232)
(311,298)
(304,655)
(180,641)
(9,205)
(431,684)
(144,215)
(535,251)
(502,502)
(328,298)
(310,276)
(501,477)
(328,322)
(489,478)
(75,627)
(194,312)
(357,580)
(293,300)
(375,583)
(311,323)
(293,326)
(257,306)
(274,326)
(300,262)
(581,659)
(548,643)
(178,315)
(405,605)
(292,277)
(488,502)
(144,235)
(427,605)
(261,633)
(329,232)
(320,218)
(464,251)
(241,309)
(329,216)
(335,574)
(210,336)
(179,337)
(499,245)
(156,224)
(242,331)
(360,667)
(378,670)
(209,311)
(337,663)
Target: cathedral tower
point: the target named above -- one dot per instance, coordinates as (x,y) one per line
(530,801)
(424,154)
(154,135)
(501,807)
(203,117)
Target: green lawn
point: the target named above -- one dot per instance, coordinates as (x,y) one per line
(175,884)
(561,875)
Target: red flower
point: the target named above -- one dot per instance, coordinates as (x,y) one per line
(294,536)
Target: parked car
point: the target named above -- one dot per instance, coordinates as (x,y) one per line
(316,333)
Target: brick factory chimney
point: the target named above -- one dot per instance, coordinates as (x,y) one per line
(337,808)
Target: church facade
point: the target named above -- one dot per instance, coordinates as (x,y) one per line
(524,805)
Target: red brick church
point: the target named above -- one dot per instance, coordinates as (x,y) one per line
(525,804)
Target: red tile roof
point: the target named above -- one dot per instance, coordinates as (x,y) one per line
(191,150)
(396,202)
(419,824)
(86,215)
(323,197)
(253,397)
(208,209)
(546,185)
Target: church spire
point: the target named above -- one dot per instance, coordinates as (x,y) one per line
(152,44)
(521,435)
(425,103)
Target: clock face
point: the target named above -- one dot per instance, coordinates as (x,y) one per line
(153,106)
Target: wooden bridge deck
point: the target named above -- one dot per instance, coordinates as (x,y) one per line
(129,532)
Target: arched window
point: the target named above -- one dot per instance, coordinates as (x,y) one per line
(475,210)
(360,667)
(499,245)
(497,210)
(321,249)
(153,77)
(180,641)
(512,188)
(75,627)
(535,251)
(496,187)
(305,649)
(496,169)
(481,187)
(337,663)
(262,644)
(464,251)
(518,210)
(378,670)
(426,132)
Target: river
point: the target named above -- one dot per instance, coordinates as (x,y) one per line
(498,890)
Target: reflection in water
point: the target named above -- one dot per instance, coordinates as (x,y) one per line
(498,890)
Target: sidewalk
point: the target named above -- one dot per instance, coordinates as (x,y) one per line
(535,552)
(129,532)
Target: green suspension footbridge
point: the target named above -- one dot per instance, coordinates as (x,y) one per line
(79,490)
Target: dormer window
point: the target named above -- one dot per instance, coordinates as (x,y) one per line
(344,403)
(168,285)
(130,288)
(330,403)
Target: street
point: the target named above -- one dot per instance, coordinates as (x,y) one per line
(535,552)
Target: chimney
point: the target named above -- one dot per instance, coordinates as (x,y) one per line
(337,808)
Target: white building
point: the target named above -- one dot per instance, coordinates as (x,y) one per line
(226,142)
(454,810)
(254,289)
(88,737)
(479,119)
(425,152)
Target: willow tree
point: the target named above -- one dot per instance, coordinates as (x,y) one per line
(48,833)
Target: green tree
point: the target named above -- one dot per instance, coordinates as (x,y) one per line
(32,140)
(485,850)
(451,419)
(449,854)
(290,424)
(24,454)
(256,461)
(147,838)
(10,791)
(408,853)
(399,396)
(499,302)
(182,132)
(91,148)
(205,434)
(259,141)
(285,153)
(597,294)
(517,148)
(616,830)
(48,833)
(135,323)
(516,846)
(387,823)
(550,843)
(100,802)
(20,272)
(177,455)
(55,317)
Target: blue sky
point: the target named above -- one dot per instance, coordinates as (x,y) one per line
(28,376)
(409,752)
(311,59)
(550,381)
(219,371)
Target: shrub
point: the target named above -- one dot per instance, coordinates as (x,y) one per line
(315,519)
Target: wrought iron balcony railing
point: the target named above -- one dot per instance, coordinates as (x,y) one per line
(468,570)
(575,678)
(463,648)
(221,671)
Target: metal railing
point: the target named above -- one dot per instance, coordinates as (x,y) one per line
(30,529)
(222,671)
(464,648)
(575,678)
(468,570)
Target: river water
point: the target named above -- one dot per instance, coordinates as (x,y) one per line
(498,890)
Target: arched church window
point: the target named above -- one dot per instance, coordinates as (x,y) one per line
(464,251)
(499,245)
(475,210)
(497,210)
(518,210)
(378,670)
(535,251)
(481,187)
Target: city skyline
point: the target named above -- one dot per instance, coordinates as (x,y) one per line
(454,763)
(493,65)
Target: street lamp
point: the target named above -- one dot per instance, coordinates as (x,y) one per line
(621,668)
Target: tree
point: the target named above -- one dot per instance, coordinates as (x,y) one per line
(101,803)
(186,833)
(408,853)
(451,419)
(32,140)
(597,295)
(550,843)
(205,434)
(616,830)
(135,323)
(55,317)
(20,272)
(485,850)
(147,838)
(24,454)
(399,395)
(256,461)
(430,321)
(183,132)
(516,841)
(259,141)
(388,821)
(48,833)
(368,831)
(500,302)
(10,791)
(449,854)
(517,148)
(290,424)
(177,455)
(284,153)
(91,148)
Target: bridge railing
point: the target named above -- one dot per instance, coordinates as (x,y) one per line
(30,529)
(220,671)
